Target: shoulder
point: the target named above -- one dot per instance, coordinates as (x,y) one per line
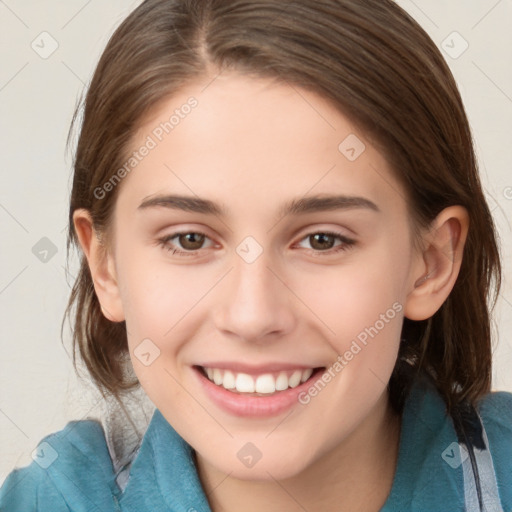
(495,409)
(68,467)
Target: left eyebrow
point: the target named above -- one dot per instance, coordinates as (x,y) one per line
(323,203)
(303,205)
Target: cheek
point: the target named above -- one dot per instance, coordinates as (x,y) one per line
(161,303)
(155,294)
(361,307)
(351,297)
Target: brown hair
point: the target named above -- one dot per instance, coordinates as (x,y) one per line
(380,69)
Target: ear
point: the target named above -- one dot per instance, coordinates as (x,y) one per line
(101,265)
(438,264)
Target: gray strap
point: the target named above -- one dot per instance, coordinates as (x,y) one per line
(488,483)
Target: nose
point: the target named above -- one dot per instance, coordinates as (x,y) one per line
(255,304)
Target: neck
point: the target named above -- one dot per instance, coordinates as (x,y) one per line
(357,475)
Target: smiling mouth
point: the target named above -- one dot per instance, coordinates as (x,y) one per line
(264,384)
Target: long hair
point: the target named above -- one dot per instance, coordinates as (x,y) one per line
(381,70)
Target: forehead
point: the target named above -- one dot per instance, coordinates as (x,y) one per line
(249,142)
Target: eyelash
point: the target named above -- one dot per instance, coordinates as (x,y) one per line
(347,243)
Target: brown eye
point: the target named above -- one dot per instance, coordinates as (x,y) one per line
(186,243)
(191,241)
(324,243)
(321,241)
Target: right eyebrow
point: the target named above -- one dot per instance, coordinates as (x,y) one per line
(185,203)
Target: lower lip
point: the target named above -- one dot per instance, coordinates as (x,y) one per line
(255,406)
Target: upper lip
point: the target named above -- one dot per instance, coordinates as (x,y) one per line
(260,369)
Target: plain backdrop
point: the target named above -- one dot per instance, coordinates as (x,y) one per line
(49,50)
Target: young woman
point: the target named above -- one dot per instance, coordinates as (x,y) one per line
(286,245)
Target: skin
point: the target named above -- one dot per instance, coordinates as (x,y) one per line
(251,145)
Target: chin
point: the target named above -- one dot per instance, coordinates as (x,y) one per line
(277,467)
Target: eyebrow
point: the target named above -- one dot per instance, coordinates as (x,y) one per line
(310,204)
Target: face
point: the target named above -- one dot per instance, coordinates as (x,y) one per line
(231,281)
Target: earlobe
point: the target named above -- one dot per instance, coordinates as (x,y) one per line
(101,266)
(439,263)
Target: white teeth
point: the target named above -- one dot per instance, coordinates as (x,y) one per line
(294,380)
(217,377)
(244,383)
(306,374)
(229,380)
(282,382)
(264,384)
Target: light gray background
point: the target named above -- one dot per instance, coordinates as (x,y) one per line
(39,392)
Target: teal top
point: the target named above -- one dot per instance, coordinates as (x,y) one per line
(73,470)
